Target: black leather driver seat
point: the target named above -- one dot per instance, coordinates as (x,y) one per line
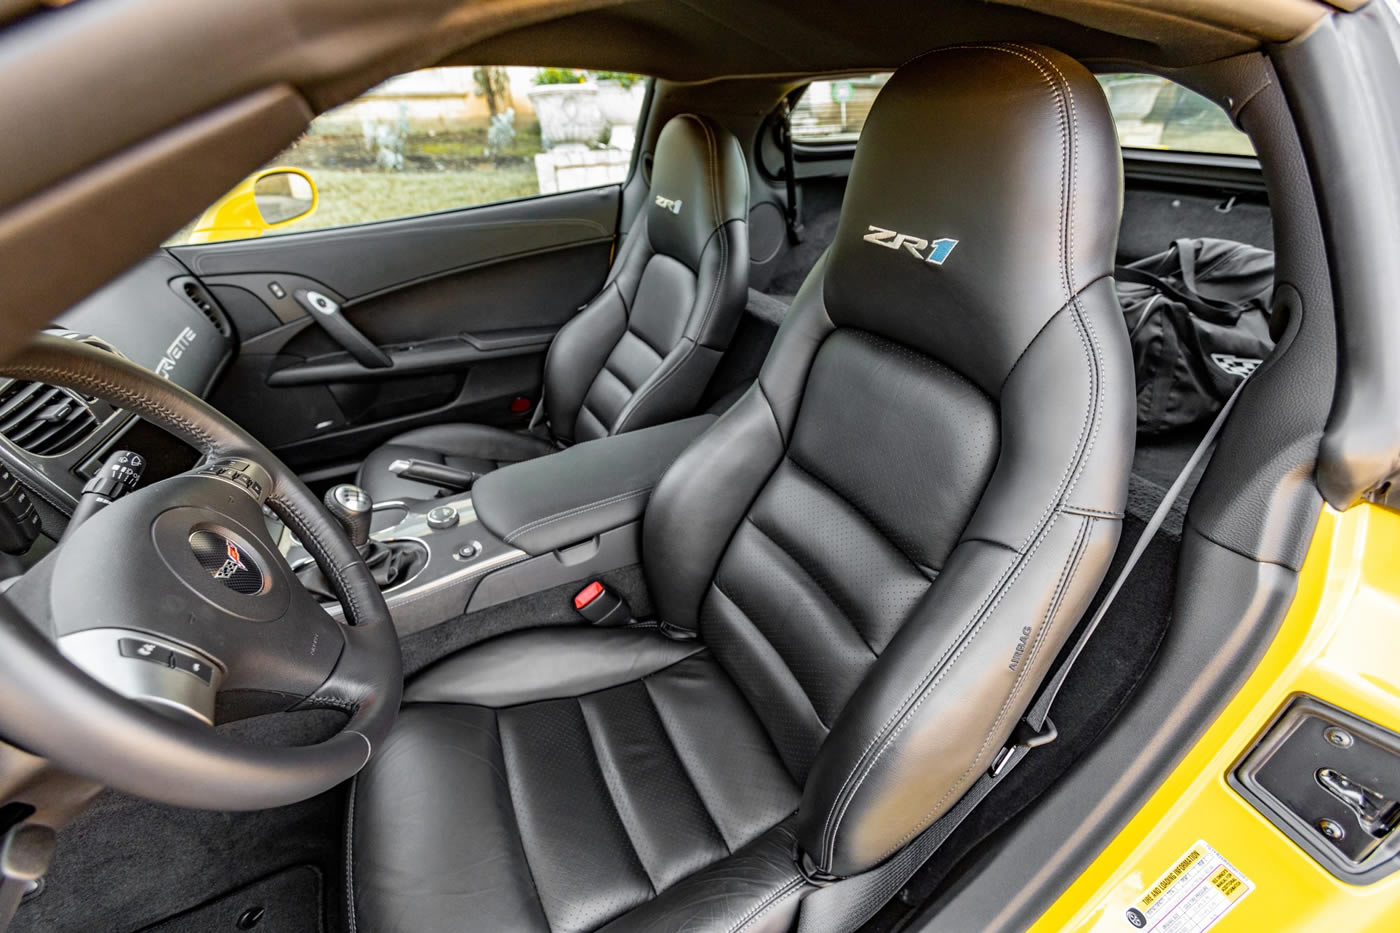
(641,352)
(880,548)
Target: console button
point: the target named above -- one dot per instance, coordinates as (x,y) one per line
(145,651)
(200,669)
(443,517)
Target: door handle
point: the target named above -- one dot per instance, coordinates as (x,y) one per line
(326,312)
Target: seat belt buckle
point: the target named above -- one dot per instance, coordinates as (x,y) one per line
(1023,738)
(601,606)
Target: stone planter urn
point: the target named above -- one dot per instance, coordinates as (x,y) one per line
(568,113)
(620,107)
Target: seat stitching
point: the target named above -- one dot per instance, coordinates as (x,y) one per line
(767,904)
(579,510)
(1066,574)
(675,750)
(856,777)
(840,610)
(1093,513)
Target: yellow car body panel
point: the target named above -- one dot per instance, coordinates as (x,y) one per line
(236,216)
(1340,642)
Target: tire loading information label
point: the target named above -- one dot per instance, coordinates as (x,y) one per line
(1191,896)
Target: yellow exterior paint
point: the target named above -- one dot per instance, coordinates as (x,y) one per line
(235,216)
(1339,642)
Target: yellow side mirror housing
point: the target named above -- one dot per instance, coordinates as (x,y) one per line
(270,198)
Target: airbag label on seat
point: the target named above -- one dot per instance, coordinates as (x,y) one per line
(1192,896)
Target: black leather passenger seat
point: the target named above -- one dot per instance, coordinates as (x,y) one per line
(879,549)
(642,351)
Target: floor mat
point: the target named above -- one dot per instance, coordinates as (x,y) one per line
(287,902)
(127,863)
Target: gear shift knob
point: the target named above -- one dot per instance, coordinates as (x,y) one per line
(351,506)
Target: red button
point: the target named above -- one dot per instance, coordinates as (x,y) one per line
(589,593)
(518,406)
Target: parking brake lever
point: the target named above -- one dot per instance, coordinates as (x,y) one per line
(437,474)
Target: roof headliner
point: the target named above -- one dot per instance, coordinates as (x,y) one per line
(689,40)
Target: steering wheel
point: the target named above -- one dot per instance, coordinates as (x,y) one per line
(172,609)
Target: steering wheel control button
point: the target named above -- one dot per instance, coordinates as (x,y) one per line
(244,474)
(443,517)
(190,665)
(145,651)
(469,551)
(227,563)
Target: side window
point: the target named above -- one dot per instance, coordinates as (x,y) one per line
(434,140)
(1155,113)
(834,111)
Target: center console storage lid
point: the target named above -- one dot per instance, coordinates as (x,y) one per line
(551,502)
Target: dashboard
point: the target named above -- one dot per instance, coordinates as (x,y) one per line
(157,315)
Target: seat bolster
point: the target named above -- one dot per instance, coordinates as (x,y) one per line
(947,692)
(546,664)
(699,502)
(581,347)
(757,890)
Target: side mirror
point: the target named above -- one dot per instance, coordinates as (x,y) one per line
(266,199)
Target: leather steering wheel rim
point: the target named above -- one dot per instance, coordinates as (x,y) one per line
(52,708)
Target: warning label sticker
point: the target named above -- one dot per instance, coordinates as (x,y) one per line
(1192,896)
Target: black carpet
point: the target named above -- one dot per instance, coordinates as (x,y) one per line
(127,863)
(287,902)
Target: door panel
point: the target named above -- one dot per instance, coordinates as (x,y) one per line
(458,307)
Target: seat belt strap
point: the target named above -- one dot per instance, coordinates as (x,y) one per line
(843,905)
(792,214)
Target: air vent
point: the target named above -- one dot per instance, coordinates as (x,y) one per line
(188,288)
(44,420)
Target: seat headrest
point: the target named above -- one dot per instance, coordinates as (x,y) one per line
(699,181)
(985,193)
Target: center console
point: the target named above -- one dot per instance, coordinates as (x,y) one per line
(524,528)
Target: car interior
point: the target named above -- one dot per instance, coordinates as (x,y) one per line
(685,551)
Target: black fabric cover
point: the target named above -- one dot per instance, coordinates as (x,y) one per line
(1198,316)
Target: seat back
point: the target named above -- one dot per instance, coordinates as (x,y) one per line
(887,540)
(642,351)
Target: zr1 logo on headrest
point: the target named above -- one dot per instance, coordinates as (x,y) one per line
(938,250)
(667,204)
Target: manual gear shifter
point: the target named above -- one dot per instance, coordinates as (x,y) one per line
(391,562)
(354,509)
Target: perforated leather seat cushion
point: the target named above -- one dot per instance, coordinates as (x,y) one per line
(561,813)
